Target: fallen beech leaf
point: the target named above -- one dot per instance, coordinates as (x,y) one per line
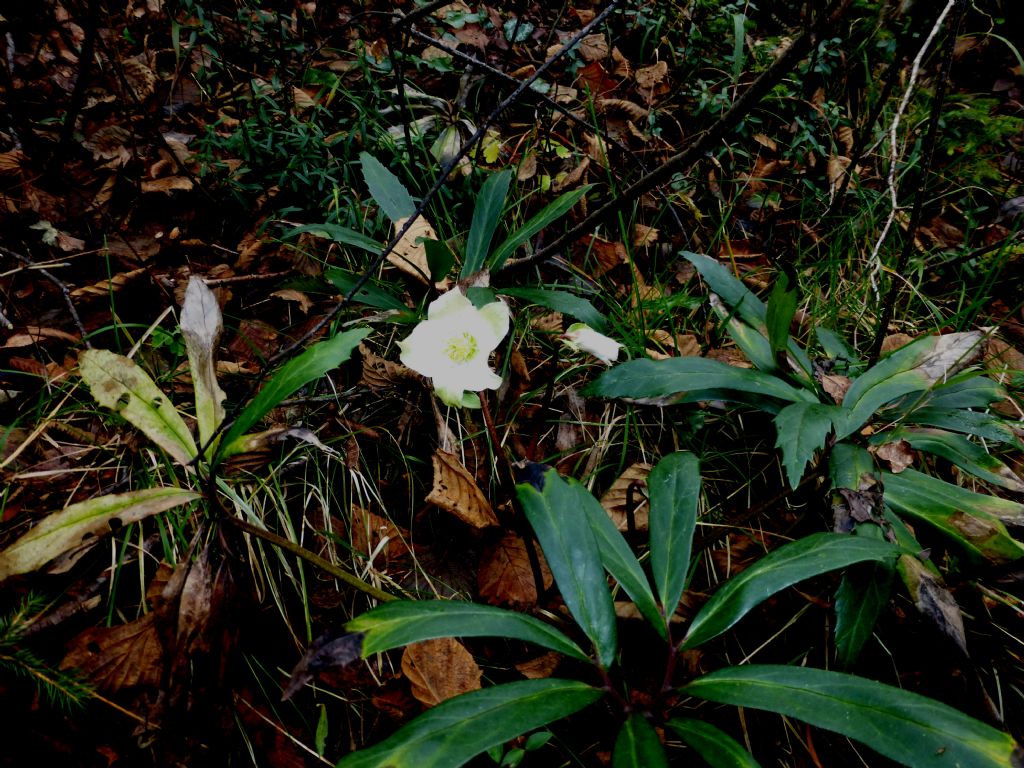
(439,670)
(540,667)
(835,386)
(381,374)
(113,658)
(456,491)
(34,334)
(616,498)
(898,455)
(106,287)
(409,254)
(300,298)
(505,576)
(167,185)
(376,536)
(594,47)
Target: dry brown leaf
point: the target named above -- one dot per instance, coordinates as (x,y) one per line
(34,334)
(119,657)
(607,254)
(894,341)
(300,298)
(835,386)
(594,47)
(140,78)
(456,491)
(766,141)
(167,185)
(644,236)
(409,255)
(845,137)
(472,34)
(650,81)
(439,670)
(898,455)
(373,535)
(837,166)
(541,667)
(621,107)
(380,374)
(505,576)
(550,322)
(572,178)
(617,497)
(11,162)
(622,66)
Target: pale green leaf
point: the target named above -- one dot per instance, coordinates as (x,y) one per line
(338,234)
(452,733)
(960,451)
(903,726)
(564,302)
(789,564)
(397,623)
(385,188)
(549,214)
(119,384)
(201,326)
(486,214)
(81,523)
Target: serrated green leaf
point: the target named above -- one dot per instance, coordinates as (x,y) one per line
(486,215)
(399,622)
(75,525)
(549,214)
(122,386)
(644,380)
(201,325)
(564,302)
(900,725)
(957,449)
(573,555)
(716,747)
(789,564)
(975,521)
(801,429)
(674,491)
(338,234)
(293,375)
(455,731)
(385,188)
(618,559)
(638,745)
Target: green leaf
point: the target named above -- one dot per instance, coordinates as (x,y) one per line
(486,214)
(201,325)
(975,521)
(564,302)
(855,413)
(646,380)
(801,429)
(550,213)
(984,425)
(900,725)
(293,375)
(752,343)
(119,384)
(618,559)
(848,464)
(791,563)
(73,526)
(834,346)
(399,622)
(638,745)
(371,294)
(385,188)
(455,731)
(779,313)
(439,258)
(716,747)
(960,451)
(570,546)
(338,234)
(968,390)
(863,593)
(674,491)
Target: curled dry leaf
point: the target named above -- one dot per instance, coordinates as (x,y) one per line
(381,374)
(377,537)
(409,254)
(456,491)
(617,498)
(933,600)
(541,667)
(898,455)
(439,670)
(835,386)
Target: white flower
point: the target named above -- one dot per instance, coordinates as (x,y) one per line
(453,344)
(580,337)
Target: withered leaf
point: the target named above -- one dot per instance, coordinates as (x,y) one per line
(934,600)
(617,497)
(540,667)
(326,654)
(380,374)
(456,491)
(376,536)
(409,254)
(835,386)
(898,455)
(505,576)
(439,670)
(113,658)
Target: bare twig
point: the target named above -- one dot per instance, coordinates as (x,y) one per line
(65,291)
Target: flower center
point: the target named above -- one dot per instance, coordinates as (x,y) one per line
(461,348)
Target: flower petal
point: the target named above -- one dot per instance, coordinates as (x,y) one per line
(448,304)
(495,318)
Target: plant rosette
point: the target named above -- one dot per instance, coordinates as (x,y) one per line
(453,345)
(580,337)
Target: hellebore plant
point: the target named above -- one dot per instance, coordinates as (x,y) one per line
(453,344)
(580,337)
